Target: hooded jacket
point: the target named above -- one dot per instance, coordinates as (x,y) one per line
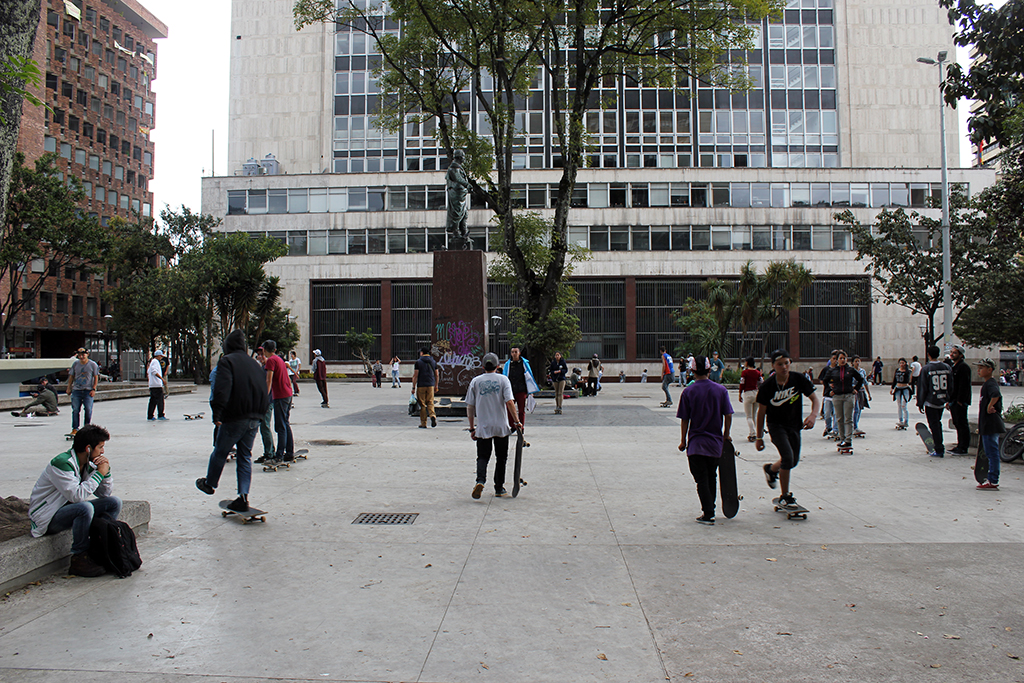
(241,389)
(63,482)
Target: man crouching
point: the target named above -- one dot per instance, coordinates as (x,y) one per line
(61,497)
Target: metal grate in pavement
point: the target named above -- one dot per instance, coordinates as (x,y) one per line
(386,518)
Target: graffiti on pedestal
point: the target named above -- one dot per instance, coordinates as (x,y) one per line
(458,350)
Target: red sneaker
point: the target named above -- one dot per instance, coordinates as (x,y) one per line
(988,486)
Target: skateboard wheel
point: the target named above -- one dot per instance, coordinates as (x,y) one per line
(223,514)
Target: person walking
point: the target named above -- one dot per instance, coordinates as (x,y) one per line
(845,382)
(157,387)
(594,369)
(902,390)
(960,400)
(667,376)
(294,368)
(876,370)
(705,419)
(280,388)
(520,374)
(558,371)
(267,420)
(83,378)
(780,406)
(240,399)
(378,373)
(990,422)
(491,409)
(320,377)
(750,380)
(396,366)
(915,370)
(827,408)
(425,378)
(933,395)
(863,397)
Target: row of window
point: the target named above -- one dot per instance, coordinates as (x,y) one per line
(58,303)
(89,130)
(595,195)
(92,161)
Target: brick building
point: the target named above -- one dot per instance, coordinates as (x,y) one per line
(99,57)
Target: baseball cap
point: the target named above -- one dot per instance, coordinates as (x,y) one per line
(961,349)
(316,352)
(158,353)
(987,362)
(490,359)
(81,350)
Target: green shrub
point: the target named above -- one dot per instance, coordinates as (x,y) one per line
(730,376)
(1015,413)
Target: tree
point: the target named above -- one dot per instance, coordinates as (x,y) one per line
(277,325)
(43,222)
(18,22)
(451,52)
(996,75)
(361,343)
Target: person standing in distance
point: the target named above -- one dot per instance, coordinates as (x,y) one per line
(750,379)
(704,407)
(157,386)
(717,368)
(425,378)
(490,408)
(83,377)
(780,406)
(667,375)
(558,371)
(933,395)
(520,374)
(240,400)
(280,388)
(320,377)
(960,400)
(267,422)
(990,422)
(396,366)
(593,375)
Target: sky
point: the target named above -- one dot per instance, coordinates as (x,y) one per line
(192,100)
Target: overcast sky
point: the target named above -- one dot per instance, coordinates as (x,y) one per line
(192,99)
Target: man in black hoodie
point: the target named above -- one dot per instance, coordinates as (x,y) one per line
(240,400)
(960,400)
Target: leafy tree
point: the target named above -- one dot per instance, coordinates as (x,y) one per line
(361,343)
(19,20)
(276,325)
(451,52)
(996,76)
(43,222)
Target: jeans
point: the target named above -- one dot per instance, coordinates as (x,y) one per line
(283,427)
(156,401)
(704,470)
(238,434)
(79,398)
(666,380)
(266,432)
(396,381)
(934,416)
(856,411)
(958,412)
(902,414)
(483,456)
(827,411)
(990,442)
(78,518)
(843,406)
(425,395)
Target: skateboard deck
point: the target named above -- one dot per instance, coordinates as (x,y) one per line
(251,515)
(792,511)
(727,480)
(517,468)
(69,437)
(275,465)
(302,454)
(926,436)
(981,466)
(194,416)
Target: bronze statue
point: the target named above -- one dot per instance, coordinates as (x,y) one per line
(457,186)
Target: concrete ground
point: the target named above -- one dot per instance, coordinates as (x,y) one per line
(596,572)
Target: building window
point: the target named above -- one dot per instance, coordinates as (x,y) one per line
(601,308)
(336,308)
(76,305)
(29,297)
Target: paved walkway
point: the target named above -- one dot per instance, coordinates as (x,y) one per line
(597,572)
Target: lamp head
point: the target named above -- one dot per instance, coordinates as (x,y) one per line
(942,56)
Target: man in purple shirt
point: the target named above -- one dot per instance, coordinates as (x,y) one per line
(704,408)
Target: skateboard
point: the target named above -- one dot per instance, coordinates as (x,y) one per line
(195,416)
(844,449)
(302,454)
(69,437)
(792,511)
(981,466)
(251,515)
(665,404)
(727,480)
(926,436)
(275,465)
(518,467)
(900,426)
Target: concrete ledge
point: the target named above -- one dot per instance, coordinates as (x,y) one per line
(26,559)
(106,392)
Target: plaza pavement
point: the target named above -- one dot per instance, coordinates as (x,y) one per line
(596,572)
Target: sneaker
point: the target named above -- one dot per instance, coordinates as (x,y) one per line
(498,493)
(857,432)
(826,432)
(423,426)
(935,454)
(161,418)
(788,500)
(81,565)
(239,504)
(477,490)
(288,458)
(751,438)
(433,421)
(772,477)
(15,413)
(956,451)
(73,432)
(262,459)
(988,486)
(204,487)
(151,419)
(710,521)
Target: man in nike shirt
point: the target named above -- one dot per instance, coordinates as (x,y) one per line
(780,402)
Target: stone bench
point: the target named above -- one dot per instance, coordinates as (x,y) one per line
(106,392)
(26,559)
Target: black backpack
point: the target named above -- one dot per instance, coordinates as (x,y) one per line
(112,546)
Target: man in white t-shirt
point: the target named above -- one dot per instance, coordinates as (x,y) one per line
(490,407)
(915,370)
(157,385)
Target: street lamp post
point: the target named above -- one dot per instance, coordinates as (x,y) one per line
(495,321)
(947,295)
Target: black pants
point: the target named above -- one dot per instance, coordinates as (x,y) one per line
(156,401)
(591,389)
(958,412)
(321,386)
(483,456)
(705,470)
(934,416)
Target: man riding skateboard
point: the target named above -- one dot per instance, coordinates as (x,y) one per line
(703,408)
(491,407)
(779,403)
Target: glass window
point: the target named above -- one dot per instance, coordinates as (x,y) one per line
(840,194)
(801,237)
(641,237)
(639,195)
(337,241)
(821,237)
(680,194)
(699,195)
(760,195)
(376,241)
(659,194)
(417,197)
(599,238)
(257,201)
(297,243)
(761,238)
(317,243)
(899,195)
(700,238)
(828,76)
(298,201)
(598,195)
(780,195)
(801,194)
(318,201)
(416,240)
(720,194)
(820,194)
(619,238)
(338,199)
(396,241)
(660,238)
(741,237)
(858,194)
(740,195)
(680,238)
(277,201)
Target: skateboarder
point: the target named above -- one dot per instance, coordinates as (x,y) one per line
(320,377)
(960,400)
(491,408)
(267,422)
(425,378)
(932,396)
(240,400)
(667,375)
(83,377)
(990,421)
(845,382)
(779,404)
(902,391)
(280,388)
(61,497)
(705,418)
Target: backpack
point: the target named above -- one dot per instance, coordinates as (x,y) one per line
(112,546)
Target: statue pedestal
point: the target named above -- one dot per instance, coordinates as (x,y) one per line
(459,335)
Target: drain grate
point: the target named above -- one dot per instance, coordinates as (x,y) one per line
(386,518)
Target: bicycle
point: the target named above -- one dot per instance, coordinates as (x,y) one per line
(1011,446)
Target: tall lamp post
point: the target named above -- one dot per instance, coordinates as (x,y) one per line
(947,295)
(495,321)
